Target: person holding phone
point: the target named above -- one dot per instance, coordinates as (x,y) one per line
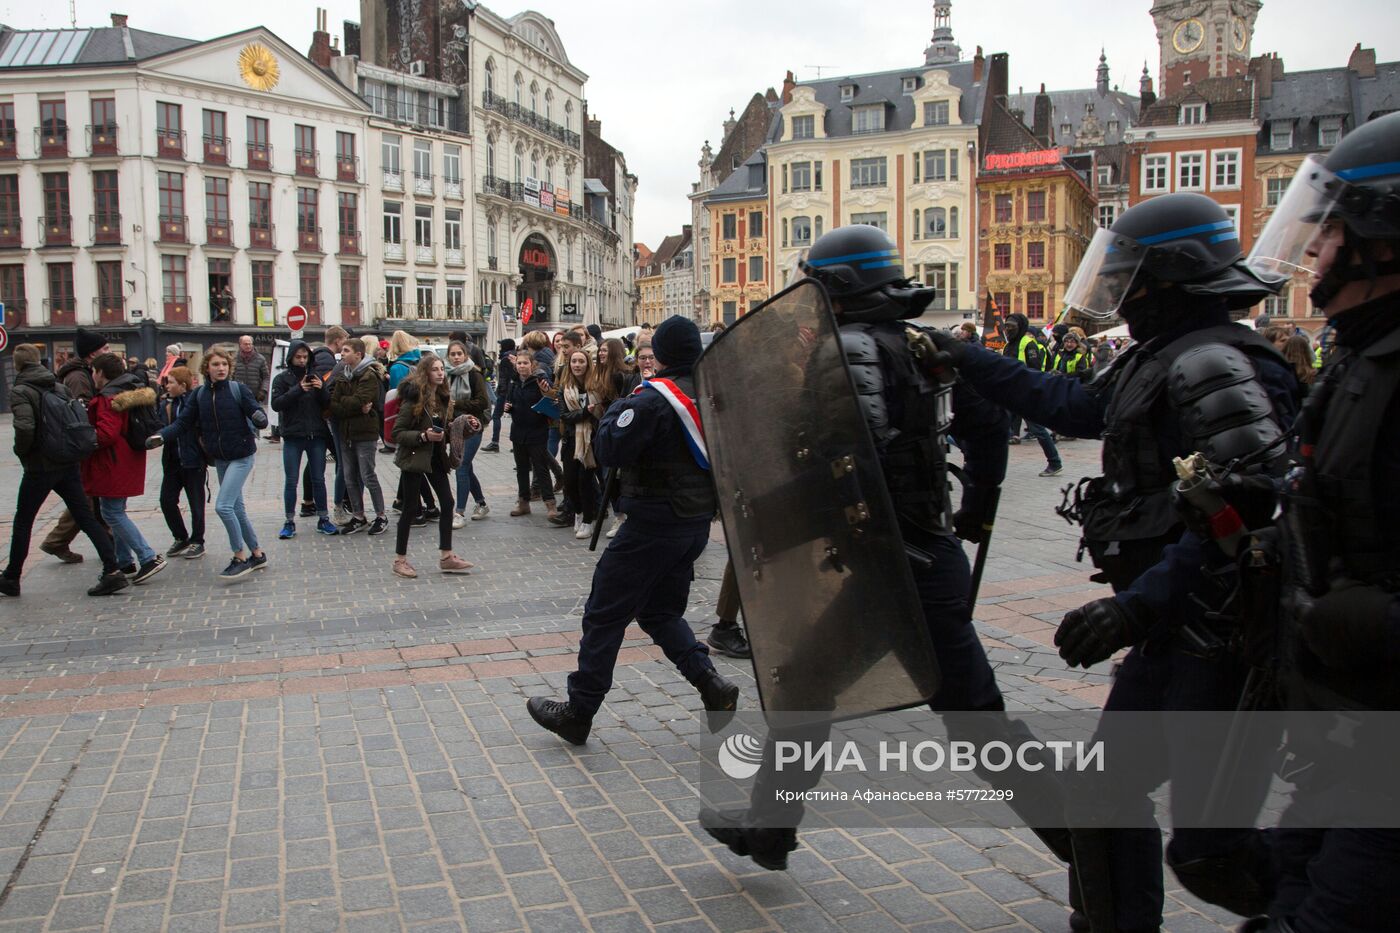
(299,396)
(420,433)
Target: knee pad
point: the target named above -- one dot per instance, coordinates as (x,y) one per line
(1240,880)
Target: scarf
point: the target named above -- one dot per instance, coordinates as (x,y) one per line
(583,431)
(460,382)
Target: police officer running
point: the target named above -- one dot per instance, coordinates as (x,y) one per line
(1173,269)
(653,438)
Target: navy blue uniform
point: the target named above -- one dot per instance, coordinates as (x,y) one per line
(646,571)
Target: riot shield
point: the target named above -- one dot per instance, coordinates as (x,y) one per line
(828,597)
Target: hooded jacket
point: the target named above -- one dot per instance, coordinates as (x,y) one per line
(528,426)
(468,388)
(31,383)
(222,419)
(401,367)
(349,394)
(185,452)
(300,413)
(116,470)
(76,376)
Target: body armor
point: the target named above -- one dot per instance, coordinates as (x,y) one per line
(909,416)
(671,473)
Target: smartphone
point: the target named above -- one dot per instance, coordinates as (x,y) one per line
(437,425)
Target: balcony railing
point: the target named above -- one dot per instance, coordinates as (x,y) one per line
(393,181)
(109,309)
(259,157)
(262,236)
(56,230)
(499,187)
(106,229)
(452,187)
(389,311)
(308,162)
(349,244)
(424,253)
(174,228)
(393,251)
(308,240)
(10,236)
(51,144)
(422,184)
(59,311)
(216,150)
(454,257)
(170,144)
(347,168)
(527,117)
(7,145)
(218,233)
(350,312)
(102,140)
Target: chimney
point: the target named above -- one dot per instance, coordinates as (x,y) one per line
(320,52)
(1148,98)
(1363,62)
(979,65)
(1261,69)
(788,85)
(998,79)
(595,127)
(118,20)
(1041,127)
(352,38)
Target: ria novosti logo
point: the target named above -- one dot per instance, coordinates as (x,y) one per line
(740,756)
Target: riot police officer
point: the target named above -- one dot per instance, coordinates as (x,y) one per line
(652,437)
(1340,221)
(1172,268)
(860,268)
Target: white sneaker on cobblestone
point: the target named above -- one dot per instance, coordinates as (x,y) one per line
(341,516)
(459,520)
(584,532)
(480,512)
(617,523)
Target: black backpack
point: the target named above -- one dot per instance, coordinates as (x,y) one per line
(141,423)
(65,434)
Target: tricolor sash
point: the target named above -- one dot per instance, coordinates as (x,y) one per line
(685,410)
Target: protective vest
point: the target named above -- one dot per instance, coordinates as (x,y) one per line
(908,415)
(669,472)
(1026,342)
(1132,500)
(1072,364)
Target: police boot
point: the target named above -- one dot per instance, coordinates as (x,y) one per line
(560,718)
(768,847)
(728,639)
(721,699)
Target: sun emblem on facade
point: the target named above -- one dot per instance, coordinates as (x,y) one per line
(258,67)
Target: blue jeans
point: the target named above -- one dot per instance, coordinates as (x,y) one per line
(126,537)
(551,443)
(466,476)
(229,503)
(339,490)
(1047,443)
(496,412)
(315,450)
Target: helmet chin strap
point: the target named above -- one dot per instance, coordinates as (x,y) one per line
(1343,271)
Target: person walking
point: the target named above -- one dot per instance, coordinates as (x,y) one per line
(354,392)
(1022,346)
(183,470)
(299,396)
(506,379)
(420,434)
(49,466)
(468,387)
(225,418)
(76,377)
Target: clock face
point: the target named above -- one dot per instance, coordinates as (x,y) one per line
(1188,36)
(1239,35)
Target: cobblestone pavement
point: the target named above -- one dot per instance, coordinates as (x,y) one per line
(329,747)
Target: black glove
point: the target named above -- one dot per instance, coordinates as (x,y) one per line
(1094,631)
(973,515)
(1351,627)
(1253,495)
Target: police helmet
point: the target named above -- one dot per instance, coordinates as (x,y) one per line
(1184,240)
(854,260)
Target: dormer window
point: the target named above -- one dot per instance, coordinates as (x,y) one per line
(870,119)
(1329,131)
(1113,126)
(803,127)
(1281,134)
(1105,174)
(936,113)
(848,93)
(1192,114)
(1066,130)
(911,85)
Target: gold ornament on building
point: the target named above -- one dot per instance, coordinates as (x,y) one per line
(258,67)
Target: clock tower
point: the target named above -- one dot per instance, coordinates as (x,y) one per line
(1202,39)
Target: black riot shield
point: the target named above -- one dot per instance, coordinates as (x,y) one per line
(829,601)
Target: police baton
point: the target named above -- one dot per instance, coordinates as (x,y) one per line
(979,564)
(606,496)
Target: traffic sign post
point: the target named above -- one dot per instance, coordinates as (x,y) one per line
(296,318)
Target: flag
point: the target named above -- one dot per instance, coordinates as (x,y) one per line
(991,315)
(527,310)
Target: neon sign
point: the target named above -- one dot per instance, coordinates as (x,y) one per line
(1014,160)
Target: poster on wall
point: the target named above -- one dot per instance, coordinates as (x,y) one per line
(561,201)
(266,312)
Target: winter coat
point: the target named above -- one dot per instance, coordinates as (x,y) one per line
(218,416)
(116,470)
(527,426)
(252,373)
(348,397)
(468,389)
(414,454)
(506,376)
(25,398)
(185,452)
(401,367)
(300,413)
(76,376)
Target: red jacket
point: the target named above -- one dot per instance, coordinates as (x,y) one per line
(116,471)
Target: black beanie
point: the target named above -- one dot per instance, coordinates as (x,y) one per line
(87,343)
(507,345)
(676,342)
(595,332)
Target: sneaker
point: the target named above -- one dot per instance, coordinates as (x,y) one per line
(131,570)
(458,521)
(308,509)
(454,564)
(561,719)
(492,448)
(396,508)
(110,583)
(560,518)
(769,848)
(178,548)
(258,561)
(65,554)
(404,569)
(378,526)
(342,515)
(1014,441)
(236,569)
(149,569)
(274,439)
(431,513)
(354,525)
(481,511)
(327,527)
(419,521)
(584,531)
(728,639)
(194,551)
(1055,470)
(289,530)
(617,523)
(9,586)
(386,449)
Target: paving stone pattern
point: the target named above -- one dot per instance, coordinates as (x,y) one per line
(327,747)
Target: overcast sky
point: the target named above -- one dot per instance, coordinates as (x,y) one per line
(663,76)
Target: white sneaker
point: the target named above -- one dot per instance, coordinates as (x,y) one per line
(584,532)
(480,512)
(459,520)
(578,522)
(341,516)
(617,523)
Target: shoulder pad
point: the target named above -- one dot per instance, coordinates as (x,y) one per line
(859,346)
(1225,413)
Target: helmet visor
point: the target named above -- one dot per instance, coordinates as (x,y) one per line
(1282,247)
(1104,276)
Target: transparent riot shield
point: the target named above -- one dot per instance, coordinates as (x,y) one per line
(829,601)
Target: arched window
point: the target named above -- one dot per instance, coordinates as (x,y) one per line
(917,229)
(490,78)
(491,239)
(519,89)
(953,222)
(535,164)
(490,157)
(534,97)
(549,172)
(817,230)
(568,115)
(519,163)
(548,104)
(801,231)
(936,219)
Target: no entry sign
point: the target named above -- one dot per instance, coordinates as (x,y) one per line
(296,318)
(4,340)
